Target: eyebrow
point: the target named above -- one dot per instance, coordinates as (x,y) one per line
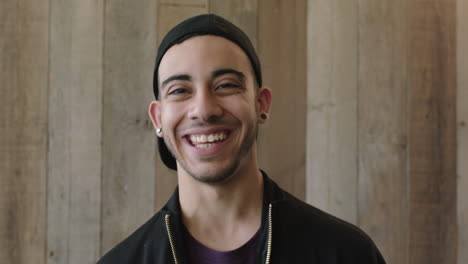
(220,72)
(179,77)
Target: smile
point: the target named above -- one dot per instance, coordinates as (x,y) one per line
(207,140)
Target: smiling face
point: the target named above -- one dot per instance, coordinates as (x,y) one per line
(209,107)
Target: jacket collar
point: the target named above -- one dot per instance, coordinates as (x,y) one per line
(271,194)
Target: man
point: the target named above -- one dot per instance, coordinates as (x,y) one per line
(209,103)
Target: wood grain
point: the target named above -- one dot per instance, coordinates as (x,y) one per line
(432,162)
(382,126)
(75,109)
(23,129)
(282,50)
(462,130)
(332,107)
(128,151)
(185,3)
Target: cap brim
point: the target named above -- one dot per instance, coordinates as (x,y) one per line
(166,155)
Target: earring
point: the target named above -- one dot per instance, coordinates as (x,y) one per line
(158,130)
(264,116)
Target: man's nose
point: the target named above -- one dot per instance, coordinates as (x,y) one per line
(205,106)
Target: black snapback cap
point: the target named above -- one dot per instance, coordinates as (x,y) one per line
(208,24)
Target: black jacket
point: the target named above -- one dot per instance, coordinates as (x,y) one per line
(291,232)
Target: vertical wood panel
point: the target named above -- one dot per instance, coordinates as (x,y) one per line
(23,129)
(331,107)
(300,98)
(462,130)
(75,108)
(382,108)
(282,50)
(431,87)
(170,13)
(127,134)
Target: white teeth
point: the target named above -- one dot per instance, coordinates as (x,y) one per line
(210,138)
(204,145)
(202,139)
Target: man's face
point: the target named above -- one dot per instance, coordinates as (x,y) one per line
(209,107)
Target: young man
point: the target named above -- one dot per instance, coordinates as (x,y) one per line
(209,103)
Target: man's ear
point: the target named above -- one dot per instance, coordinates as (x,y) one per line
(154,112)
(263,103)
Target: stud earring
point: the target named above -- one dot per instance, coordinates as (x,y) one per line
(264,116)
(158,130)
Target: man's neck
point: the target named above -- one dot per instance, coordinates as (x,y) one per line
(223,216)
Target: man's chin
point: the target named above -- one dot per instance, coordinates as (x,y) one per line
(213,174)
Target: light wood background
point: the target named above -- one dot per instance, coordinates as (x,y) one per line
(462,129)
(369,119)
(381,121)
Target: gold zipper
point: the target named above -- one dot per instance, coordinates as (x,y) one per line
(171,240)
(270,231)
(270,236)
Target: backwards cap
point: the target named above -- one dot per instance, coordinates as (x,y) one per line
(208,24)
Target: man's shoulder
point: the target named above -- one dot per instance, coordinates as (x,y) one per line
(302,220)
(320,223)
(138,244)
(314,228)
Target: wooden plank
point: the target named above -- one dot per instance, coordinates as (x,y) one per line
(243,13)
(128,151)
(382,125)
(185,3)
(75,109)
(332,107)
(282,50)
(300,100)
(23,129)
(172,12)
(432,161)
(462,130)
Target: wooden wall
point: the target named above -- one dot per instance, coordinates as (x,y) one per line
(24,54)
(462,130)
(74,131)
(363,123)
(381,100)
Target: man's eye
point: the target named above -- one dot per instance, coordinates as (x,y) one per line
(228,85)
(178,91)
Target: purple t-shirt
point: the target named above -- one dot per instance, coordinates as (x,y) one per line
(199,254)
